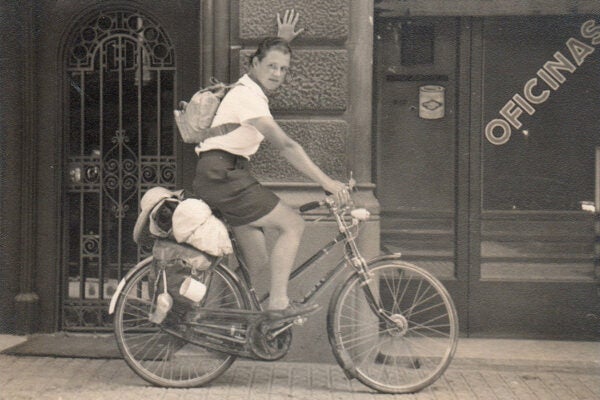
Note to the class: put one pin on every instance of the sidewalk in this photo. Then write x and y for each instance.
(484, 369)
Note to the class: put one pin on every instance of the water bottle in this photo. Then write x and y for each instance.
(164, 302)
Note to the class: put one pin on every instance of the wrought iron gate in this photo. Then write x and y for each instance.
(119, 141)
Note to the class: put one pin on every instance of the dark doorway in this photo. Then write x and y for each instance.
(123, 69)
(416, 84)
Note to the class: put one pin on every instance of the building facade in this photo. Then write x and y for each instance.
(471, 128)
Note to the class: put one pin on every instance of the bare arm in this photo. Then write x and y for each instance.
(294, 153)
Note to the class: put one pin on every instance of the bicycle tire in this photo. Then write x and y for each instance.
(159, 357)
(403, 357)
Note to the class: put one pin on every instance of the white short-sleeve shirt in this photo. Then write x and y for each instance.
(243, 102)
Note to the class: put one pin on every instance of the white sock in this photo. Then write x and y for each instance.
(278, 303)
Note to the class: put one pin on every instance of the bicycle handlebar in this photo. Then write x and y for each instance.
(316, 204)
(310, 206)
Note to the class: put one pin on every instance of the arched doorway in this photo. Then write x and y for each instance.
(119, 140)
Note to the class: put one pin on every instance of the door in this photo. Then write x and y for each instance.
(503, 214)
(537, 274)
(416, 81)
(124, 70)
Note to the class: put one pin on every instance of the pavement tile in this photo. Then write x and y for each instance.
(581, 392)
(477, 384)
(536, 384)
(592, 382)
(458, 385)
(560, 390)
(518, 385)
(497, 385)
(482, 379)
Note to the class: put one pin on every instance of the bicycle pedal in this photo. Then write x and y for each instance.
(300, 320)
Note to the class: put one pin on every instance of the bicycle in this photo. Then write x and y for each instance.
(391, 324)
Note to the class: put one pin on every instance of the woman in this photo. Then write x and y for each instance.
(224, 182)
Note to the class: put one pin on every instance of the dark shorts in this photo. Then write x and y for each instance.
(224, 182)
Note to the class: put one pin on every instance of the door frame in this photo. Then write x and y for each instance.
(466, 177)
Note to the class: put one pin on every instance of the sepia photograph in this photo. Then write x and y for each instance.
(300, 199)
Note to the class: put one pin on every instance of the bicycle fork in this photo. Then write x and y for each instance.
(360, 265)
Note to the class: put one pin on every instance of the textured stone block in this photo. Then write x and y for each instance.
(321, 20)
(317, 81)
(323, 141)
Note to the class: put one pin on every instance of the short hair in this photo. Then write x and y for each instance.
(270, 43)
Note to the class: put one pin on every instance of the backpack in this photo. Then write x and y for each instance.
(194, 118)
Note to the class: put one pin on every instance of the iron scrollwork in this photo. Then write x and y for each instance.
(121, 69)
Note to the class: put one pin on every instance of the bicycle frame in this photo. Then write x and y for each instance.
(352, 258)
(244, 273)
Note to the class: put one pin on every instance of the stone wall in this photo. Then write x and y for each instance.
(325, 106)
(316, 91)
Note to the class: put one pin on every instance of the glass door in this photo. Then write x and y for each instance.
(541, 95)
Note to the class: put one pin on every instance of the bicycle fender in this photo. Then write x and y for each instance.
(385, 257)
(115, 296)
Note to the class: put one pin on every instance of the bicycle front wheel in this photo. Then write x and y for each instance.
(411, 348)
(159, 353)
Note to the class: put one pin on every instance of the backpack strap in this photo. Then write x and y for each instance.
(218, 88)
(221, 129)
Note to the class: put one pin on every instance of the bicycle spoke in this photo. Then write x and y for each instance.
(367, 352)
(406, 286)
(422, 301)
(431, 328)
(142, 310)
(360, 339)
(430, 320)
(422, 310)
(148, 345)
(436, 331)
(392, 290)
(351, 307)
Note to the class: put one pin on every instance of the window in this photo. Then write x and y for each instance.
(416, 44)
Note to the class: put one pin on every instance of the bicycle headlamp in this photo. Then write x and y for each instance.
(361, 214)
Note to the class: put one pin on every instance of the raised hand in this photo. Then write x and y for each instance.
(287, 25)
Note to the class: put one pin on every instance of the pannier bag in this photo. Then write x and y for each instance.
(167, 251)
(181, 261)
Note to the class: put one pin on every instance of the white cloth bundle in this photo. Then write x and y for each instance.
(194, 224)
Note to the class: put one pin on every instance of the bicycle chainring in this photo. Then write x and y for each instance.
(268, 349)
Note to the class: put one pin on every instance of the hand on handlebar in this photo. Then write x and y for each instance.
(339, 191)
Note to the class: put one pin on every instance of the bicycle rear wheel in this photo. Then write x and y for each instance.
(406, 354)
(162, 358)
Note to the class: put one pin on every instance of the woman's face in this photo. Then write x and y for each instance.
(271, 70)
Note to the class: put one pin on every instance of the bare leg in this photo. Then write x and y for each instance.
(253, 245)
(289, 226)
